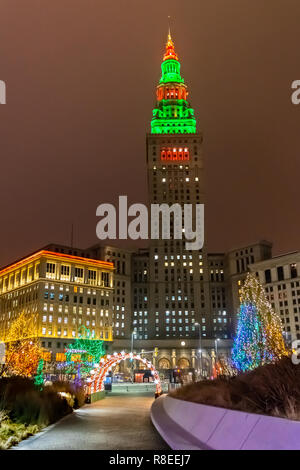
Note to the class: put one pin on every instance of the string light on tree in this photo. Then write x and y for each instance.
(82, 355)
(39, 378)
(259, 337)
(23, 350)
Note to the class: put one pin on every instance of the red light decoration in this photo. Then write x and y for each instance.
(170, 50)
(167, 92)
(107, 363)
(174, 154)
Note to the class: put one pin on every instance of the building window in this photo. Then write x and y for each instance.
(65, 272)
(50, 270)
(280, 274)
(105, 279)
(92, 275)
(268, 276)
(293, 268)
(78, 274)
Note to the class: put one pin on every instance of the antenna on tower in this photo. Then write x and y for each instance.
(169, 23)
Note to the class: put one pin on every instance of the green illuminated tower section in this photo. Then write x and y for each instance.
(172, 114)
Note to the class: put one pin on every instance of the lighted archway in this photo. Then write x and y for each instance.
(110, 361)
(183, 363)
(164, 363)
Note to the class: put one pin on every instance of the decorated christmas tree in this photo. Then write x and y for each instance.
(259, 337)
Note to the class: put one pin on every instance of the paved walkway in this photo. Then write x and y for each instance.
(115, 423)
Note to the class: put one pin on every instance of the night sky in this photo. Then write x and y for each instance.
(81, 78)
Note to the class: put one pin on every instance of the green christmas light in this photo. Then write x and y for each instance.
(90, 350)
(172, 114)
(39, 377)
(171, 72)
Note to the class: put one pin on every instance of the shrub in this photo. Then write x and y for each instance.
(77, 393)
(12, 433)
(25, 404)
(272, 389)
(24, 410)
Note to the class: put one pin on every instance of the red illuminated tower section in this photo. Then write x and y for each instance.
(178, 278)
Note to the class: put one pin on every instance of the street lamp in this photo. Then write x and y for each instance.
(132, 337)
(200, 347)
(216, 347)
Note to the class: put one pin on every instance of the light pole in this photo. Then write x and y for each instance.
(216, 347)
(200, 347)
(132, 337)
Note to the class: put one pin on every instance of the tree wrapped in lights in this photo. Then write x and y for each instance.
(83, 354)
(85, 348)
(39, 377)
(23, 351)
(259, 337)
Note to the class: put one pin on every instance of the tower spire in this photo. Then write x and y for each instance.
(172, 114)
(169, 29)
(170, 48)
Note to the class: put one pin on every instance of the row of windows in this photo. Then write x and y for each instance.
(292, 273)
(80, 310)
(65, 274)
(49, 332)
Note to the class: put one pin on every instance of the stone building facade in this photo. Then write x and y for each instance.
(61, 292)
(281, 278)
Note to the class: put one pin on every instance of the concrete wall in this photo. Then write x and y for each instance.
(187, 426)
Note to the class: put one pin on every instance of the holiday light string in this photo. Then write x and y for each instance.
(107, 363)
(259, 338)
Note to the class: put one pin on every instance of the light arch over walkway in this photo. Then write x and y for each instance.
(110, 361)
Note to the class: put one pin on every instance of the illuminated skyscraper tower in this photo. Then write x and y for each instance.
(172, 114)
(179, 296)
(175, 175)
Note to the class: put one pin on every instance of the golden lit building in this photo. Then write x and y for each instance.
(63, 292)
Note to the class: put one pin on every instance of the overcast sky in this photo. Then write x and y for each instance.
(81, 78)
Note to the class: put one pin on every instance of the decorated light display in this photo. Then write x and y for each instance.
(23, 351)
(39, 377)
(82, 354)
(85, 349)
(106, 364)
(172, 114)
(259, 337)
